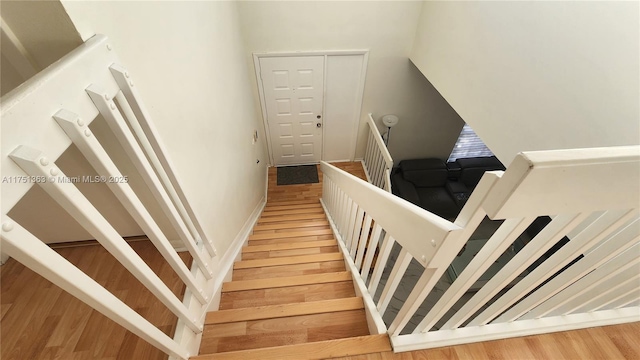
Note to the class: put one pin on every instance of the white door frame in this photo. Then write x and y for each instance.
(325, 53)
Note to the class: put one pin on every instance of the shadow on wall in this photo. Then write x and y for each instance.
(428, 126)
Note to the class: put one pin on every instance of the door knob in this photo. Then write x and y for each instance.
(319, 125)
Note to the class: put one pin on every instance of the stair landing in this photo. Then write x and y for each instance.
(291, 296)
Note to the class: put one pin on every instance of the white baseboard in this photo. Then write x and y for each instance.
(223, 268)
(466, 335)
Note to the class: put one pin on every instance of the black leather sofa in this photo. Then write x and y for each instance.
(438, 187)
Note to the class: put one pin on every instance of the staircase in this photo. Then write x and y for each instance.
(291, 296)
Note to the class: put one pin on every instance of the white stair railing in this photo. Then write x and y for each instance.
(377, 162)
(591, 196)
(40, 120)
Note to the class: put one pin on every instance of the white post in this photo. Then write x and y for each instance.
(90, 147)
(612, 247)
(141, 120)
(606, 224)
(397, 272)
(67, 195)
(34, 254)
(116, 122)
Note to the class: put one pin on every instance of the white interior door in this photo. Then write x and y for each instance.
(292, 89)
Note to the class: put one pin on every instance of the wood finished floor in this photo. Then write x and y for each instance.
(41, 321)
(291, 287)
(605, 342)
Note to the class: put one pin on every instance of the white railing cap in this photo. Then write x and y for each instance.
(567, 181)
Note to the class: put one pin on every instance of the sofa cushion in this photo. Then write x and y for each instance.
(438, 201)
(424, 172)
(472, 169)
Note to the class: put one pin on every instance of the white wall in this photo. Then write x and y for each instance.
(428, 127)
(536, 75)
(188, 61)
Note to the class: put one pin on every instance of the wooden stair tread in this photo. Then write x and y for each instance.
(292, 234)
(256, 284)
(286, 295)
(310, 351)
(271, 219)
(287, 260)
(314, 210)
(289, 270)
(292, 207)
(288, 246)
(271, 203)
(290, 225)
(273, 311)
(290, 252)
(290, 240)
(290, 330)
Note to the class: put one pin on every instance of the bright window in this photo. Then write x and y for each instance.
(469, 145)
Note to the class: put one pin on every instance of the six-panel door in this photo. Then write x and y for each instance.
(293, 90)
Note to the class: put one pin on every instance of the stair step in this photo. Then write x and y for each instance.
(292, 234)
(289, 270)
(272, 219)
(291, 207)
(290, 225)
(291, 252)
(315, 210)
(257, 284)
(271, 203)
(287, 260)
(310, 351)
(286, 295)
(290, 240)
(284, 310)
(288, 246)
(290, 330)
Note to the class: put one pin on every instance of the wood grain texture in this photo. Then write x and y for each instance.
(313, 210)
(280, 218)
(289, 270)
(605, 342)
(257, 284)
(288, 260)
(309, 351)
(41, 321)
(287, 330)
(314, 205)
(286, 295)
(290, 234)
(288, 240)
(288, 246)
(290, 252)
(290, 225)
(274, 311)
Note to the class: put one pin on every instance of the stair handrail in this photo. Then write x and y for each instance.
(41, 119)
(542, 289)
(377, 161)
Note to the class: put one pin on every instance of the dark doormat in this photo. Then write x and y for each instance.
(301, 174)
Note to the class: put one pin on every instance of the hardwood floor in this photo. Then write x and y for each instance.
(290, 289)
(606, 342)
(41, 321)
(306, 191)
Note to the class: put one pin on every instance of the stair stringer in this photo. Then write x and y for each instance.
(223, 268)
(374, 319)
